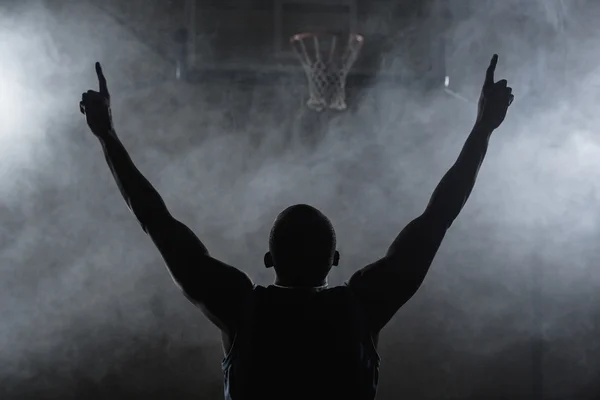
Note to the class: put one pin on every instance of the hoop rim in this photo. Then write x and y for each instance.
(308, 34)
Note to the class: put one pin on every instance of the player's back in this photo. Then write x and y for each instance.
(302, 344)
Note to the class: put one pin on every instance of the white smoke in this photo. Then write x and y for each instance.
(89, 310)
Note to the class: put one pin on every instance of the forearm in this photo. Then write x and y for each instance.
(455, 187)
(143, 200)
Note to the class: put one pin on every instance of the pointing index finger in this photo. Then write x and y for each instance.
(489, 76)
(101, 80)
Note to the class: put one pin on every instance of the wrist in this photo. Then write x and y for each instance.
(104, 134)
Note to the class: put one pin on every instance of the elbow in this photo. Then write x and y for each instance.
(148, 207)
(441, 215)
(152, 220)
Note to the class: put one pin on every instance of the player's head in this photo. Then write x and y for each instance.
(302, 247)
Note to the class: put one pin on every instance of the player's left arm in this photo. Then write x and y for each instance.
(384, 286)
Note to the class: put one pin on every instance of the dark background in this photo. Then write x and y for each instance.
(510, 309)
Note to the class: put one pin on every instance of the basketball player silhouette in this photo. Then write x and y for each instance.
(299, 338)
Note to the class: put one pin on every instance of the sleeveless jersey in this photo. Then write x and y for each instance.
(310, 344)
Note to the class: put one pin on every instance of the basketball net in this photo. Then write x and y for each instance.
(326, 66)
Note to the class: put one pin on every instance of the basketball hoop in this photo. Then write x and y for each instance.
(327, 59)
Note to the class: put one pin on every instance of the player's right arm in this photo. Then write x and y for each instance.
(387, 284)
(218, 289)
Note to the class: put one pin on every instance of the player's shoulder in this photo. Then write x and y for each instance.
(344, 291)
(340, 289)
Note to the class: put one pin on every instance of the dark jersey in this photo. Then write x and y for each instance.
(302, 344)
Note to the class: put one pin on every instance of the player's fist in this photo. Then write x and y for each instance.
(96, 106)
(495, 99)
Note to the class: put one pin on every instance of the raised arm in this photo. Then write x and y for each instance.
(218, 289)
(387, 284)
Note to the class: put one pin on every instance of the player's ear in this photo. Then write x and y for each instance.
(268, 260)
(336, 258)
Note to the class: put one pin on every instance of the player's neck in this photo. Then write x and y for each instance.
(285, 285)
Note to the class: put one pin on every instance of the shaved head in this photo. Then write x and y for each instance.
(302, 244)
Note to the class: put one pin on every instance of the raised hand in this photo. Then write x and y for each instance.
(96, 106)
(495, 99)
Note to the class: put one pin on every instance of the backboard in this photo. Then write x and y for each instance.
(250, 39)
